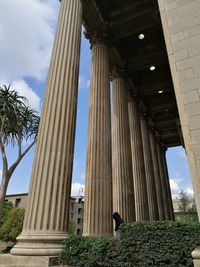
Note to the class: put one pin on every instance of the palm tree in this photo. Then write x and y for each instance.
(17, 123)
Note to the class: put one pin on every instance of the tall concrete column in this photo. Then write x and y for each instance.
(139, 178)
(98, 190)
(46, 219)
(150, 178)
(157, 176)
(123, 191)
(171, 209)
(163, 182)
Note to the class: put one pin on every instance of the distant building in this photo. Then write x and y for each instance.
(75, 213)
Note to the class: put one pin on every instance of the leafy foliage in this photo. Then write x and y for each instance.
(71, 227)
(12, 226)
(8, 206)
(141, 244)
(17, 120)
(187, 208)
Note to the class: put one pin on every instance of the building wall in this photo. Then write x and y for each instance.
(18, 200)
(181, 26)
(75, 214)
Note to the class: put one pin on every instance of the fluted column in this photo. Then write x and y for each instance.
(123, 191)
(98, 190)
(46, 218)
(139, 178)
(150, 178)
(163, 182)
(158, 184)
(171, 209)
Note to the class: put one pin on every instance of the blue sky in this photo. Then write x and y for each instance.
(26, 35)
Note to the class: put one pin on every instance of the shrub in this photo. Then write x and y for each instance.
(141, 244)
(8, 206)
(12, 227)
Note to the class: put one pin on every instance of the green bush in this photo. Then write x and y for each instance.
(141, 244)
(12, 226)
(8, 206)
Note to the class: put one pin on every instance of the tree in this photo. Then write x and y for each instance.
(18, 123)
(187, 208)
(184, 202)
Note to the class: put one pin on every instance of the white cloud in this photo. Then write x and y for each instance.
(174, 185)
(84, 83)
(189, 191)
(77, 189)
(177, 186)
(24, 89)
(26, 35)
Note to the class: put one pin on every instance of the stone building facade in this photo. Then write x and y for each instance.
(76, 210)
(150, 51)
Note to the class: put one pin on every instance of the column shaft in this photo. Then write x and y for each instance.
(163, 182)
(139, 178)
(168, 186)
(123, 191)
(46, 219)
(98, 191)
(157, 177)
(150, 179)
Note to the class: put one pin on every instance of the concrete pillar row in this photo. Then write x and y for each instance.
(98, 190)
(123, 190)
(139, 177)
(46, 218)
(171, 209)
(150, 177)
(158, 184)
(163, 182)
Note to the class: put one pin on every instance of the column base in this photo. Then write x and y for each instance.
(196, 257)
(38, 244)
(8, 260)
(96, 235)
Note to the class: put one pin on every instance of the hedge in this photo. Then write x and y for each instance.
(140, 244)
(12, 226)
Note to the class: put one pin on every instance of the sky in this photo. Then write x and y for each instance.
(27, 31)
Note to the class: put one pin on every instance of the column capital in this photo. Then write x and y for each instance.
(118, 71)
(98, 36)
(133, 96)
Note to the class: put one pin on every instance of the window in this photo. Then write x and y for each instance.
(78, 231)
(72, 206)
(17, 202)
(79, 221)
(79, 211)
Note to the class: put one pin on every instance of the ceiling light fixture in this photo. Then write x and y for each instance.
(141, 36)
(160, 92)
(152, 68)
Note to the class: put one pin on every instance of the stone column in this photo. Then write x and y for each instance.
(46, 219)
(163, 182)
(157, 176)
(150, 179)
(98, 191)
(123, 191)
(171, 209)
(139, 178)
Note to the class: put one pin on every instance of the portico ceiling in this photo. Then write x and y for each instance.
(122, 21)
